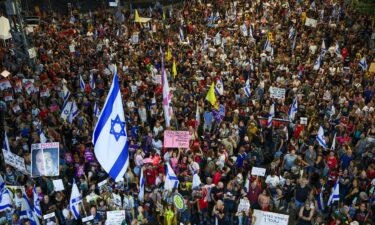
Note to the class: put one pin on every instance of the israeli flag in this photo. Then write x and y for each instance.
(171, 180)
(335, 194)
(66, 93)
(28, 212)
(42, 136)
(267, 46)
(324, 49)
(292, 31)
(247, 88)
(92, 81)
(293, 110)
(141, 194)
(317, 63)
(271, 115)
(75, 200)
(5, 197)
(320, 138)
(37, 209)
(96, 110)
(332, 111)
(182, 37)
(204, 46)
(65, 112)
(109, 137)
(73, 112)
(363, 64)
(294, 42)
(320, 201)
(81, 83)
(337, 50)
(219, 87)
(153, 102)
(196, 180)
(6, 142)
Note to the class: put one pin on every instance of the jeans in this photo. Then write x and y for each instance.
(298, 204)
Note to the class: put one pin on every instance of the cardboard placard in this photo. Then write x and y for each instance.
(257, 171)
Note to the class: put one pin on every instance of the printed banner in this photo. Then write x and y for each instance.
(45, 159)
(257, 171)
(176, 139)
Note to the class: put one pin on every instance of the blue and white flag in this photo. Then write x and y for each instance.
(320, 138)
(250, 31)
(317, 63)
(293, 110)
(37, 209)
(6, 142)
(42, 136)
(292, 32)
(267, 46)
(320, 201)
(66, 93)
(247, 88)
(271, 115)
(244, 30)
(337, 50)
(171, 180)
(204, 46)
(92, 81)
(182, 37)
(363, 64)
(75, 200)
(141, 194)
(73, 112)
(5, 197)
(96, 110)
(109, 137)
(28, 212)
(196, 180)
(65, 112)
(294, 42)
(335, 194)
(219, 87)
(324, 49)
(153, 102)
(81, 83)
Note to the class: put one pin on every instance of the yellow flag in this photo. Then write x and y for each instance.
(164, 17)
(174, 69)
(169, 55)
(211, 95)
(137, 19)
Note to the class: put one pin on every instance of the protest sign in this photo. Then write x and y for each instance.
(135, 38)
(257, 171)
(14, 160)
(303, 120)
(176, 139)
(117, 199)
(115, 217)
(158, 79)
(58, 185)
(88, 220)
(269, 218)
(311, 22)
(244, 205)
(178, 202)
(45, 159)
(276, 92)
(50, 219)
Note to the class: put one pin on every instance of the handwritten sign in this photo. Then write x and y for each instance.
(257, 171)
(115, 217)
(14, 160)
(135, 38)
(278, 93)
(269, 218)
(244, 205)
(176, 139)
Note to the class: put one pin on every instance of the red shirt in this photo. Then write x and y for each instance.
(216, 178)
(150, 175)
(332, 162)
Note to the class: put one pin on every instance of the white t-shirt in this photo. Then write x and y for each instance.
(272, 181)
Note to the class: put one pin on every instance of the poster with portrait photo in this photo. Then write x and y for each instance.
(45, 159)
(50, 219)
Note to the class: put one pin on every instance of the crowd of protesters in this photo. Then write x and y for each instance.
(225, 145)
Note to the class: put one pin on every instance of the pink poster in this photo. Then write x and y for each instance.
(176, 139)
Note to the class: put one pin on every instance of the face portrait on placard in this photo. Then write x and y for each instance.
(45, 162)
